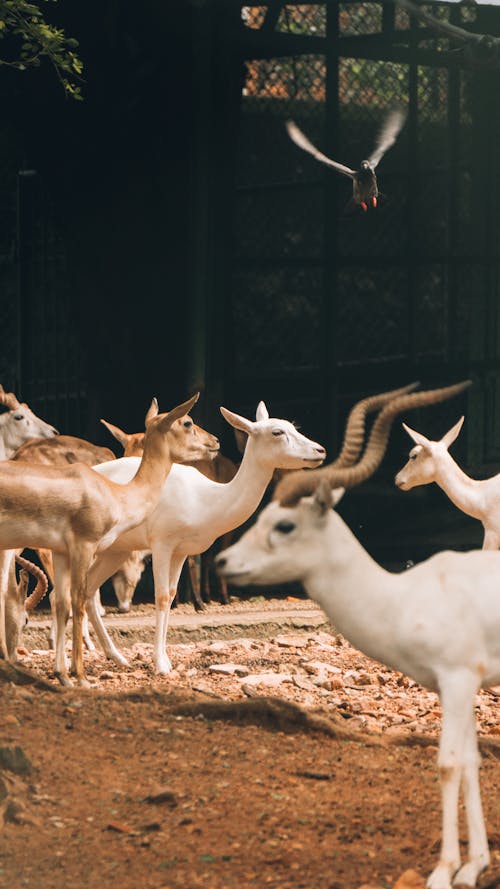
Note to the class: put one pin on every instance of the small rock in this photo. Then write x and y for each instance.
(11, 719)
(164, 796)
(107, 674)
(271, 680)
(320, 667)
(323, 682)
(291, 641)
(14, 759)
(217, 646)
(316, 776)
(250, 691)
(304, 684)
(119, 827)
(357, 722)
(363, 679)
(229, 669)
(410, 879)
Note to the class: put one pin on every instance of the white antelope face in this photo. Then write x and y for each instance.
(425, 458)
(21, 425)
(284, 545)
(280, 444)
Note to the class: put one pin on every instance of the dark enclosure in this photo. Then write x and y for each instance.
(165, 235)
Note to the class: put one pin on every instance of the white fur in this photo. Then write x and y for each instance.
(439, 622)
(430, 462)
(19, 426)
(194, 511)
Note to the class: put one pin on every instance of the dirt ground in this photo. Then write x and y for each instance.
(274, 756)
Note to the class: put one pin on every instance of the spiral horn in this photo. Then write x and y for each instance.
(354, 434)
(302, 483)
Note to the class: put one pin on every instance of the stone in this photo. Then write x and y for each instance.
(14, 759)
(229, 669)
(270, 680)
(291, 641)
(164, 796)
(410, 879)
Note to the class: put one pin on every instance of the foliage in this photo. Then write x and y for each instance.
(28, 38)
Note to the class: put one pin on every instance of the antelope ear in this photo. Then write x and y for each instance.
(236, 421)
(116, 432)
(182, 409)
(337, 495)
(417, 437)
(450, 436)
(152, 411)
(323, 498)
(262, 412)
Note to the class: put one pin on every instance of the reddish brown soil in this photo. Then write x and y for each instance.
(261, 798)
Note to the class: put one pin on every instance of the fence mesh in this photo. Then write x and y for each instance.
(386, 273)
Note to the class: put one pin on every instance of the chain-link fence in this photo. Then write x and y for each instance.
(390, 287)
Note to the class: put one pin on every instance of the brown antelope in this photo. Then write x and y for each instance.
(77, 514)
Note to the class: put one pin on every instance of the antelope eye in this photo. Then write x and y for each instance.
(284, 527)
(413, 456)
(188, 424)
(278, 432)
(18, 417)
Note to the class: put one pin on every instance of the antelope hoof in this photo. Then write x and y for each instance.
(440, 877)
(64, 679)
(118, 659)
(82, 682)
(469, 872)
(163, 667)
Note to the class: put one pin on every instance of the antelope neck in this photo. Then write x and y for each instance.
(462, 490)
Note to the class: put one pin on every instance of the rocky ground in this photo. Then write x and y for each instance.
(274, 754)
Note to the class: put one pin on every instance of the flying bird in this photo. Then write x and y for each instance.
(364, 181)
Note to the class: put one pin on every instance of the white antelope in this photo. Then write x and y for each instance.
(438, 622)
(193, 510)
(77, 513)
(429, 461)
(18, 424)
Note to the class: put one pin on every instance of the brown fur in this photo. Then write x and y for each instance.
(76, 512)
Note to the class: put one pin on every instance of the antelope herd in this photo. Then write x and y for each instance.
(91, 517)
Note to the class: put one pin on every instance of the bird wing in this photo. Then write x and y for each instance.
(444, 28)
(302, 141)
(388, 135)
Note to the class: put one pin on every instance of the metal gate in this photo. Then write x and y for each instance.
(325, 306)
